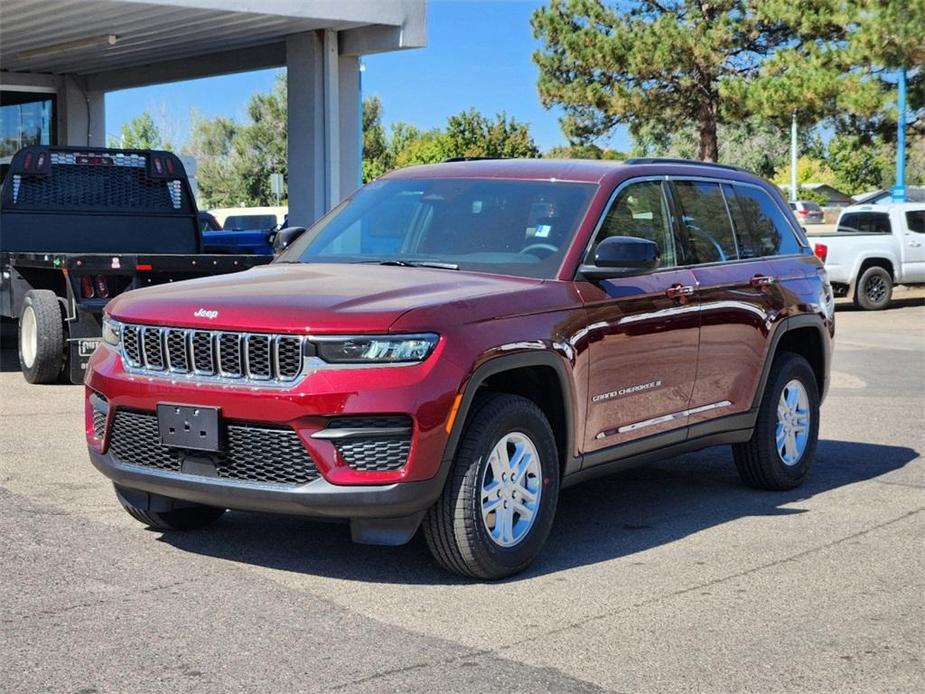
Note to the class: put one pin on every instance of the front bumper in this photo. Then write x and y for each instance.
(422, 393)
(319, 498)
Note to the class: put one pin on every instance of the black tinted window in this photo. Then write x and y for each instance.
(761, 227)
(640, 210)
(915, 220)
(704, 212)
(865, 222)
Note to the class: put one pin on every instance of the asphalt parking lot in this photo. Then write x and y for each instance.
(668, 578)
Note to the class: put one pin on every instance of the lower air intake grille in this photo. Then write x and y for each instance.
(373, 452)
(99, 424)
(253, 453)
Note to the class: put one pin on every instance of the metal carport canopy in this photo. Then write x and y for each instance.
(81, 49)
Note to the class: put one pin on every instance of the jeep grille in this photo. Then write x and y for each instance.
(213, 355)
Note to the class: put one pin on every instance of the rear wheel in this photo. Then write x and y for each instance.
(782, 447)
(874, 290)
(498, 505)
(184, 516)
(41, 337)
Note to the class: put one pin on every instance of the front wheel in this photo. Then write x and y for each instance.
(874, 290)
(498, 505)
(781, 450)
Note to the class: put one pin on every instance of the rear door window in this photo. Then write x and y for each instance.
(865, 222)
(915, 220)
(761, 227)
(709, 229)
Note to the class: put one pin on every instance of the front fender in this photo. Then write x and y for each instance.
(498, 361)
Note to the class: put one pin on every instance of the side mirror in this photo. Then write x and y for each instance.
(621, 256)
(284, 238)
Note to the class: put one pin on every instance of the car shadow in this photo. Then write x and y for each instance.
(849, 306)
(610, 518)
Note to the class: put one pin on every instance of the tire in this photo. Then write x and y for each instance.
(458, 536)
(185, 517)
(760, 462)
(874, 289)
(41, 337)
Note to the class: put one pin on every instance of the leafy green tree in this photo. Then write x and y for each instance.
(139, 133)
(470, 134)
(375, 144)
(579, 151)
(860, 162)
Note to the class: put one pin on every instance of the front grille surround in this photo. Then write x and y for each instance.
(214, 355)
(254, 453)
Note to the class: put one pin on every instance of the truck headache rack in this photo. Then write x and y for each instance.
(82, 225)
(96, 181)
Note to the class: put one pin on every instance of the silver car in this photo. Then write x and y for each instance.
(807, 211)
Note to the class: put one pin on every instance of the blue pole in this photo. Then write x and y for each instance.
(899, 190)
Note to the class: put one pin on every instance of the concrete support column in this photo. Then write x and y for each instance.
(305, 126)
(331, 119)
(81, 114)
(351, 115)
(97, 109)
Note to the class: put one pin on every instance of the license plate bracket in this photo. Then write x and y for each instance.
(190, 426)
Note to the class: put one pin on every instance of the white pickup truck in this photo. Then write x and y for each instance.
(875, 247)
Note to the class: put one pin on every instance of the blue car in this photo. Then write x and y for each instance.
(244, 233)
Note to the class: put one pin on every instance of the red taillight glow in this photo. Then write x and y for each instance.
(821, 251)
(86, 287)
(802, 211)
(102, 289)
(143, 267)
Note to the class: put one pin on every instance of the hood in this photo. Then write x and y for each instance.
(309, 298)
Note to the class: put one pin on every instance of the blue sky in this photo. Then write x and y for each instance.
(478, 55)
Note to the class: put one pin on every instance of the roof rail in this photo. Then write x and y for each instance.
(677, 160)
(452, 159)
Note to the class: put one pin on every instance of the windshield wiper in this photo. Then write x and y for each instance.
(420, 263)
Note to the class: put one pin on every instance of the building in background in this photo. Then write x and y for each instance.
(58, 58)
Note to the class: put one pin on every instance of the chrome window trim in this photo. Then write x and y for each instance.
(576, 277)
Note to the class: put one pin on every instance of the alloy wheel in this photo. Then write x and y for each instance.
(511, 489)
(792, 432)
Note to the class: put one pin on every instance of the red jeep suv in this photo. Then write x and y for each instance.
(455, 343)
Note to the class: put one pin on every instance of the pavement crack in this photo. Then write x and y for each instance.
(53, 612)
(708, 584)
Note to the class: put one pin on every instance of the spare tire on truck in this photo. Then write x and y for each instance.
(41, 337)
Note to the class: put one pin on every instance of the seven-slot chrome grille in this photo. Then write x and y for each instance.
(213, 354)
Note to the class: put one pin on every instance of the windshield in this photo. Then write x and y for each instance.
(508, 227)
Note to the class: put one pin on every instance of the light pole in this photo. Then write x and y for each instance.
(899, 190)
(793, 158)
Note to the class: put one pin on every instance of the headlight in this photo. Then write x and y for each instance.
(112, 332)
(386, 349)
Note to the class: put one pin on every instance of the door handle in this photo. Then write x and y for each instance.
(762, 281)
(676, 291)
(915, 243)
